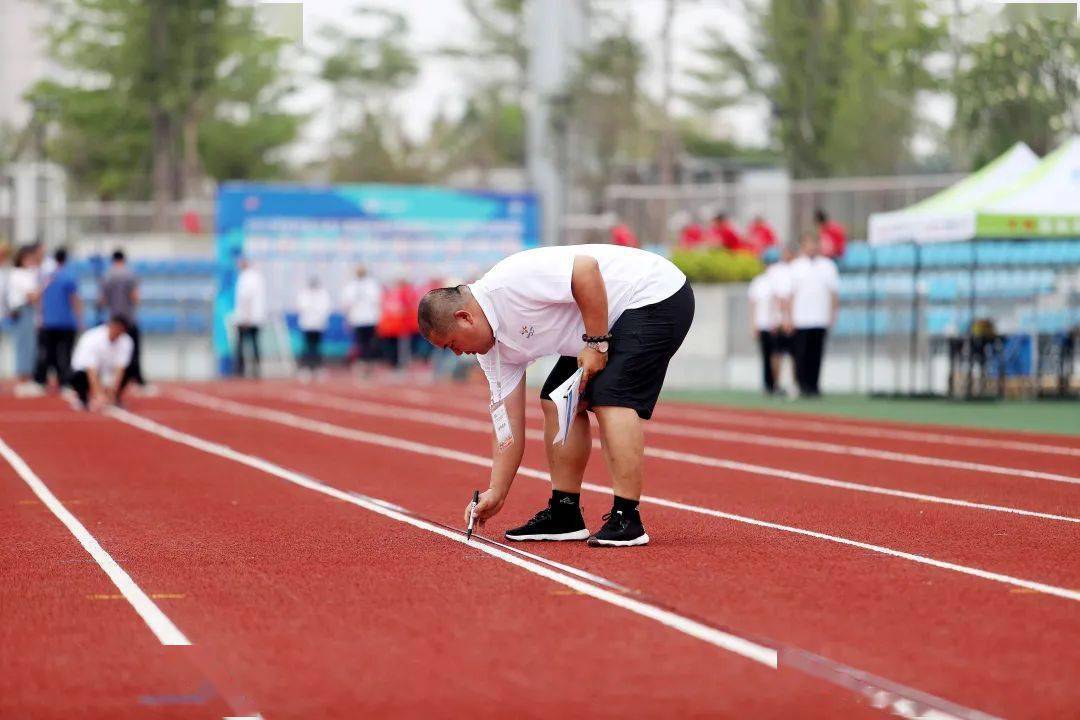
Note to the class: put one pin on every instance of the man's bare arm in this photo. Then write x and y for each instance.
(590, 294)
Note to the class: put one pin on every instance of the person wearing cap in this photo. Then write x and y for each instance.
(102, 355)
(617, 313)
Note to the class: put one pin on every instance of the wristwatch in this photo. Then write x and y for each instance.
(600, 343)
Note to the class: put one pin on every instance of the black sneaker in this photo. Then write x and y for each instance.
(621, 529)
(560, 524)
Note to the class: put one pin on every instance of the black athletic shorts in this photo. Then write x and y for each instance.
(643, 341)
(781, 342)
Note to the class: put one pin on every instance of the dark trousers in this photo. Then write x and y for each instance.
(249, 336)
(133, 372)
(768, 347)
(80, 383)
(55, 346)
(311, 357)
(364, 337)
(808, 348)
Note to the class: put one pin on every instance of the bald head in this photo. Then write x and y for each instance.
(452, 318)
(437, 308)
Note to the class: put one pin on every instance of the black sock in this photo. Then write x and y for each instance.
(624, 505)
(565, 500)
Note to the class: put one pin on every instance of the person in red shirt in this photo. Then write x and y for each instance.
(723, 234)
(760, 236)
(623, 236)
(831, 235)
(691, 236)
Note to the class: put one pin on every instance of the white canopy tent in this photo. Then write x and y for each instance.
(951, 214)
(1043, 203)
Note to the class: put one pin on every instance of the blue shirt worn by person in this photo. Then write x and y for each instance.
(56, 310)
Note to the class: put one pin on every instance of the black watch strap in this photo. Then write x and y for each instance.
(596, 338)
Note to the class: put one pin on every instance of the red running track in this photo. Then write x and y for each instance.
(298, 602)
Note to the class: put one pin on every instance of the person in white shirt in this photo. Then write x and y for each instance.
(23, 293)
(362, 301)
(250, 314)
(815, 284)
(101, 355)
(617, 313)
(765, 324)
(313, 306)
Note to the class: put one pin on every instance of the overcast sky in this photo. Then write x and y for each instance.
(436, 23)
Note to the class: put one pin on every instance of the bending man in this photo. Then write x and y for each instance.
(619, 314)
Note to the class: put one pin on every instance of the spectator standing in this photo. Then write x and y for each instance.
(764, 322)
(120, 299)
(691, 236)
(250, 314)
(5, 272)
(100, 362)
(23, 293)
(61, 315)
(313, 306)
(779, 276)
(361, 300)
(815, 284)
(623, 236)
(392, 327)
(760, 236)
(831, 235)
(722, 233)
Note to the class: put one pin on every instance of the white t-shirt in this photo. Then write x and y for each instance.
(314, 307)
(93, 351)
(21, 282)
(528, 301)
(362, 299)
(766, 317)
(813, 282)
(250, 298)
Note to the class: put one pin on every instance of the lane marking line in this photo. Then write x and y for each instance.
(461, 423)
(691, 411)
(885, 694)
(337, 431)
(163, 628)
(937, 438)
(753, 651)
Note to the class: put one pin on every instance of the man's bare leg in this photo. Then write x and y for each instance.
(623, 440)
(567, 461)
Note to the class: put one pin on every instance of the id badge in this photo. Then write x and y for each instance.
(504, 434)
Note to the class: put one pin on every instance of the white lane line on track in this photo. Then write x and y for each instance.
(718, 435)
(882, 694)
(937, 438)
(337, 431)
(460, 423)
(753, 651)
(418, 397)
(159, 624)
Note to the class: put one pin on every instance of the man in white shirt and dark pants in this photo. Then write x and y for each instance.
(313, 306)
(815, 284)
(250, 314)
(101, 356)
(619, 314)
(362, 302)
(765, 321)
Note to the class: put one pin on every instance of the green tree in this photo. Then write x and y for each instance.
(490, 132)
(841, 77)
(1021, 83)
(156, 85)
(367, 71)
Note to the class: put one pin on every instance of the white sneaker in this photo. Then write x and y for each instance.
(29, 390)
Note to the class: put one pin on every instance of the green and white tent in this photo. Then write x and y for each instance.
(1044, 203)
(952, 214)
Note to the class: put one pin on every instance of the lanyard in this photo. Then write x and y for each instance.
(498, 375)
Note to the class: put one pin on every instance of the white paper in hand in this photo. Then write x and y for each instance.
(566, 399)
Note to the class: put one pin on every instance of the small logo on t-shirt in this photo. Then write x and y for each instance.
(527, 331)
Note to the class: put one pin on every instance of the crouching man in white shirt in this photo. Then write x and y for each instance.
(98, 362)
(619, 314)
